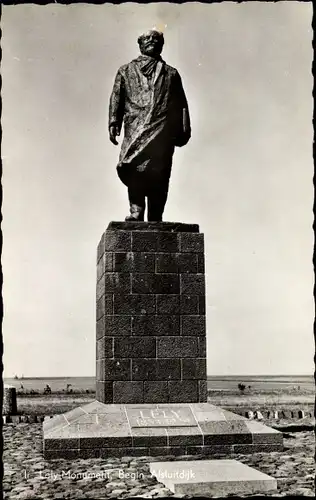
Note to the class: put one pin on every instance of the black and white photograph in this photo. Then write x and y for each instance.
(157, 254)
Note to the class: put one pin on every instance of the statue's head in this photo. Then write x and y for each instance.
(151, 43)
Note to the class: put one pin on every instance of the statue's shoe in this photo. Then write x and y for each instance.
(130, 218)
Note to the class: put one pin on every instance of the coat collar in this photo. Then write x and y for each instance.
(150, 65)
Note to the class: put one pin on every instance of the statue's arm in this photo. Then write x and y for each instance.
(183, 104)
(116, 107)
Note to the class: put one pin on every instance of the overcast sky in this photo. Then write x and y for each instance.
(245, 177)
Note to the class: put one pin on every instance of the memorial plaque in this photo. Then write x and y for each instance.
(161, 417)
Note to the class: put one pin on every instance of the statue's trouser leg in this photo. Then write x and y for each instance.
(157, 197)
(137, 202)
(157, 190)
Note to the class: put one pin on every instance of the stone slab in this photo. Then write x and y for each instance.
(162, 429)
(153, 226)
(215, 477)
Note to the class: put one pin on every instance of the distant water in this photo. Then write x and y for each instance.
(304, 383)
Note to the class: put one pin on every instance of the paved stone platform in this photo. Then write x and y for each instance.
(217, 477)
(98, 430)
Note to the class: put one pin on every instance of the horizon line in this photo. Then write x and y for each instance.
(217, 376)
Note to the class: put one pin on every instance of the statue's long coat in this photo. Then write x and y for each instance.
(152, 112)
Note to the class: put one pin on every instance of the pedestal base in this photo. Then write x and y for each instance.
(99, 430)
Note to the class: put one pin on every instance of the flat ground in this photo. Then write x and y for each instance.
(251, 400)
(268, 392)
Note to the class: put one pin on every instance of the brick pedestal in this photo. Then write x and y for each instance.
(151, 333)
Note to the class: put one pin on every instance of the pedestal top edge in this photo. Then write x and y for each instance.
(176, 227)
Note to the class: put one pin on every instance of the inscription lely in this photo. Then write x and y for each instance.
(163, 417)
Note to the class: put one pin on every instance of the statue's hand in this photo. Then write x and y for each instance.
(183, 138)
(114, 132)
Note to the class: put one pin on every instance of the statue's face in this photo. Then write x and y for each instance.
(151, 43)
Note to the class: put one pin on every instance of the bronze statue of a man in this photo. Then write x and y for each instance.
(149, 98)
